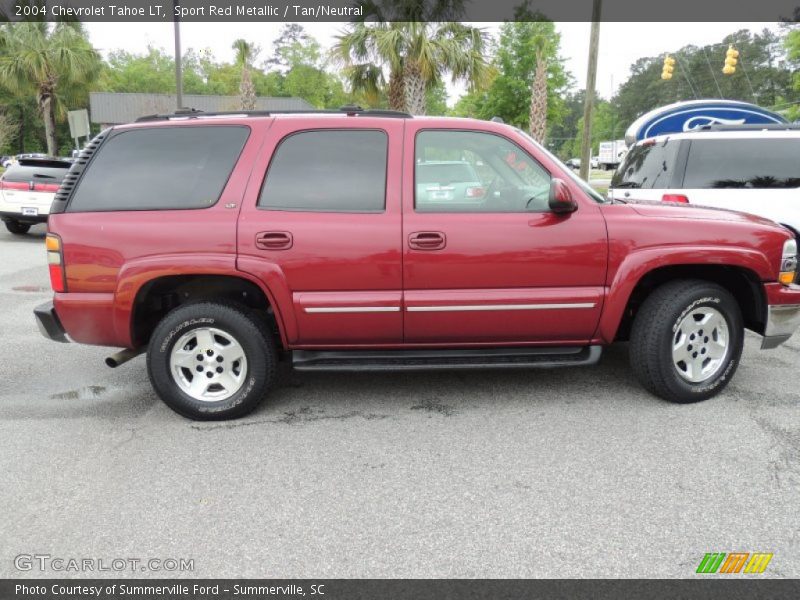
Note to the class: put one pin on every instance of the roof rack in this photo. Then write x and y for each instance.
(349, 110)
(750, 127)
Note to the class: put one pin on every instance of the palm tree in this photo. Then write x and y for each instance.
(417, 55)
(542, 43)
(245, 55)
(54, 63)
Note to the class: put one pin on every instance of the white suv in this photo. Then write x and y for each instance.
(748, 168)
(27, 189)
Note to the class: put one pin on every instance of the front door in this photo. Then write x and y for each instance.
(321, 228)
(485, 262)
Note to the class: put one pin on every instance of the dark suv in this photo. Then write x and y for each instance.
(220, 244)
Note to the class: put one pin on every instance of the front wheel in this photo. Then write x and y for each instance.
(211, 361)
(17, 228)
(686, 341)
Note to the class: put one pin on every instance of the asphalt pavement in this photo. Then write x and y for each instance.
(560, 473)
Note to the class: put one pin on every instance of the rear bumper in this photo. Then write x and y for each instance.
(48, 322)
(6, 215)
(783, 314)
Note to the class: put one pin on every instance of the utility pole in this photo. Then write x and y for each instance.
(178, 59)
(591, 81)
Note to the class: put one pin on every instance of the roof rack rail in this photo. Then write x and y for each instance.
(749, 127)
(350, 110)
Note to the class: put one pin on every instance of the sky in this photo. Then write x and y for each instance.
(620, 43)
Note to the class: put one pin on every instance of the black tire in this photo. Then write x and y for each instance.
(234, 320)
(655, 329)
(17, 228)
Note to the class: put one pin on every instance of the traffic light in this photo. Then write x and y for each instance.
(731, 58)
(669, 67)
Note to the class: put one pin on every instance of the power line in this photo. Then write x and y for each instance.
(708, 62)
(685, 72)
(752, 91)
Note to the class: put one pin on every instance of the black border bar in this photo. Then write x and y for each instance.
(729, 588)
(632, 11)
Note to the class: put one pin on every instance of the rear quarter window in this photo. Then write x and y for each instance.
(160, 168)
(743, 163)
(648, 166)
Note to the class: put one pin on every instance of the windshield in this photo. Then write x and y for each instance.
(583, 185)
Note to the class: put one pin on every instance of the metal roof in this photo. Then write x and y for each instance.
(113, 108)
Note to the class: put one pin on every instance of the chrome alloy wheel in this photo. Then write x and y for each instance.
(701, 344)
(208, 364)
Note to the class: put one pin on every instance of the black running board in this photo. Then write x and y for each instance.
(404, 360)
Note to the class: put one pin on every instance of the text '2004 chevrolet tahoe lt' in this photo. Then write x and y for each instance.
(364, 240)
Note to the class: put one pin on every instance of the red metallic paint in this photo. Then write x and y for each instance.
(350, 256)
(643, 238)
(502, 258)
(778, 294)
(595, 255)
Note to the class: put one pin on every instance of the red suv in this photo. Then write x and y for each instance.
(222, 243)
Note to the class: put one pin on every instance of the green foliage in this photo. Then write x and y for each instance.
(509, 94)
(418, 56)
(763, 76)
(436, 99)
(563, 133)
(151, 72)
(294, 47)
(154, 72)
(53, 65)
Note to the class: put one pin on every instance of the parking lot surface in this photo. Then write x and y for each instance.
(561, 473)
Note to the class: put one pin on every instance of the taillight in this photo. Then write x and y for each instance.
(14, 185)
(475, 192)
(55, 262)
(45, 187)
(675, 198)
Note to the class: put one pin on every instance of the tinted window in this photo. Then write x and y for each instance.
(160, 168)
(444, 173)
(471, 171)
(743, 163)
(48, 173)
(328, 171)
(648, 166)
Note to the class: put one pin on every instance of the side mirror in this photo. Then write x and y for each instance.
(561, 201)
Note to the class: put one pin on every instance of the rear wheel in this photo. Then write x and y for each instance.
(17, 228)
(211, 361)
(686, 340)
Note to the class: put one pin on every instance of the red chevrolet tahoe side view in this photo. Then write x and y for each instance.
(363, 240)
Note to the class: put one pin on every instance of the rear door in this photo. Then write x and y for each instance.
(320, 226)
(495, 266)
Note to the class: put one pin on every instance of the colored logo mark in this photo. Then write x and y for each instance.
(734, 562)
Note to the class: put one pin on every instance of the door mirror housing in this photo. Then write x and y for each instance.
(561, 201)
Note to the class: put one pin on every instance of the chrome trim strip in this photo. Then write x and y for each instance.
(351, 309)
(471, 307)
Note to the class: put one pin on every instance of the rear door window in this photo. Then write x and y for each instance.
(743, 163)
(648, 166)
(160, 168)
(328, 171)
